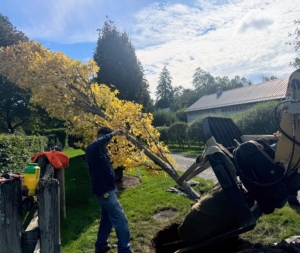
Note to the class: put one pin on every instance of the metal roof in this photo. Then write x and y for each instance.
(271, 90)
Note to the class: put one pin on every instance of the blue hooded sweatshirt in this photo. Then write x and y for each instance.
(100, 168)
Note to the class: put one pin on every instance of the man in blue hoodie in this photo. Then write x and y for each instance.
(104, 187)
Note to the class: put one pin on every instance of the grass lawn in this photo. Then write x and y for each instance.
(275, 227)
(79, 229)
(192, 150)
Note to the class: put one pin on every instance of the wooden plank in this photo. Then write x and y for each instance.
(11, 216)
(49, 215)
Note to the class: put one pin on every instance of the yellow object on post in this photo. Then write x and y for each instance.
(31, 178)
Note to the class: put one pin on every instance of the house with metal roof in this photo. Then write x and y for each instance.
(239, 99)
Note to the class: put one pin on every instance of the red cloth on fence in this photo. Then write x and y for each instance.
(58, 159)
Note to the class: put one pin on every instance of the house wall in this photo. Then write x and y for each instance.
(225, 111)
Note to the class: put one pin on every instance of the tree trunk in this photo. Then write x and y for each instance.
(181, 144)
(188, 143)
(10, 127)
(165, 167)
(10, 216)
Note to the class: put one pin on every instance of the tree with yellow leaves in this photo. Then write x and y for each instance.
(65, 89)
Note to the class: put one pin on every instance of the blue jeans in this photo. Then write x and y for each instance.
(113, 215)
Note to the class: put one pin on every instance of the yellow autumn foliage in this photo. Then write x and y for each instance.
(65, 88)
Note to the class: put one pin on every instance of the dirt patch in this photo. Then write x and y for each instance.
(128, 181)
(165, 214)
(283, 247)
(168, 241)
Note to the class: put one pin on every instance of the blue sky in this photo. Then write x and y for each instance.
(224, 37)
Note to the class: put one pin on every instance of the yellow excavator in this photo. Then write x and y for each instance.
(247, 167)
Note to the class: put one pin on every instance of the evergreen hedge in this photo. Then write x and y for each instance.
(181, 115)
(257, 120)
(195, 129)
(162, 118)
(16, 151)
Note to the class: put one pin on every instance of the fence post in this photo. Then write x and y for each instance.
(49, 215)
(11, 216)
(60, 175)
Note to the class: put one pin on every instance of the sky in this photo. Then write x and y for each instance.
(223, 37)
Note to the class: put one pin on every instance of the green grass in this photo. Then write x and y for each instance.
(79, 229)
(192, 150)
(275, 227)
(73, 152)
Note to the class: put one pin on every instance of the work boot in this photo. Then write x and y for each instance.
(108, 247)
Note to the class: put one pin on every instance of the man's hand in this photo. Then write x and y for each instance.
(118, 131)
(276, 135)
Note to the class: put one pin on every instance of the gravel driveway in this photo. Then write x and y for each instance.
(184, 162)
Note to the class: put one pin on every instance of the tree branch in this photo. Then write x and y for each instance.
(91, 109)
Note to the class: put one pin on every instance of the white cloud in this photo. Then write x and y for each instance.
(233, 38)
(223, 37)
(255, 19)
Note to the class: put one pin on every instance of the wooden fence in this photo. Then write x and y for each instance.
(10, 216)
(43, 233)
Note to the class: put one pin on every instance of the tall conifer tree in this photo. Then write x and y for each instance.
(164, 89)
(119, 67)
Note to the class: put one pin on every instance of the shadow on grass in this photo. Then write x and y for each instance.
(82, 206)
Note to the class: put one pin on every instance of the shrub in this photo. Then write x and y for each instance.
(195, 129)
(16, 151)
(177, 131)
(162, 118)
(256, 120)
(181, 115)
(163, 130)
(60, 133)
